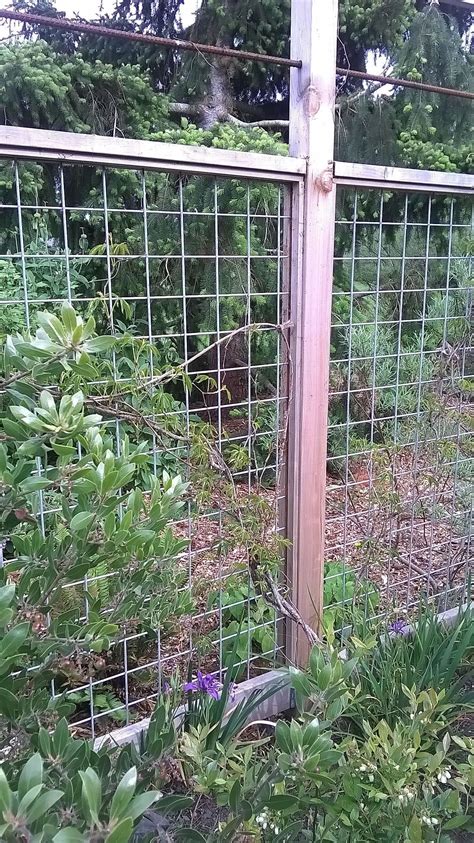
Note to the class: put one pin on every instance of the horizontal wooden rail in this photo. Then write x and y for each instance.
(68, 147)
(401, 178)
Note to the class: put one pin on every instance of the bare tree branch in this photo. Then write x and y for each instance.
(259, 124)
(186, 109)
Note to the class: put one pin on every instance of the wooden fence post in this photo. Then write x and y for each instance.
(312, 107)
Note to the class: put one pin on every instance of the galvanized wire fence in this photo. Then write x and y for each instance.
(201, 269)
(399, 497)
(192, 266)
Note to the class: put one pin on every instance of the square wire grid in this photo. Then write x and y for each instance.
(182, 262)
(399, 493)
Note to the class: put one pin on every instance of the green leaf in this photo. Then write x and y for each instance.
(61, 736)
(5, 617)
(189, 835)
(8, 703)
(69, 835)
(31, 775)
(174, 803)
(47, 403)
(52, 326)
(69, 317)
(282, 735)
(34, 484)
(234, 796)
(316, 660)
(246, 810)
(44, 741)
(7, 593)
(142, 802)
(11, 643)
(43, 804)
(456, 822)
(91, 793)
(82, 521)
(123, 794)
(289, 833)
(14, 430)
(3, 458)
(281, 802)
(63, 450)
(415, 831)
(99, 344)
(324, 677)
(122, 832)
(5, 792)
(28, 798)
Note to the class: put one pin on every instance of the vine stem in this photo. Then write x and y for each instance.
(243, 329)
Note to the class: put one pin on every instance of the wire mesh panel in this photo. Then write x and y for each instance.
(399, 494)
(185, 271)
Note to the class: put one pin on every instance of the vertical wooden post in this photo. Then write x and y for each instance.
(312, 107)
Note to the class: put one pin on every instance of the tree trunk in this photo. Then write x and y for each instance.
(218, 103)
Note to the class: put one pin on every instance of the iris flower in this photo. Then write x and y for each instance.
(205, 683)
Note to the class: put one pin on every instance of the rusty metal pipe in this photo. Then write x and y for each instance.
(174, 43)
(404, 83)
(242, 55)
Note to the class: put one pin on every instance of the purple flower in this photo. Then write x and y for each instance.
(397, 626)
(205, 683)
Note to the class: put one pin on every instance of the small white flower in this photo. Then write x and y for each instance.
(434, 821)
(447, 774)
(371, 778)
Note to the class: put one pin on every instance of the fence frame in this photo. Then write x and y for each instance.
(312, 111)
(402, 178)
(312, 177)
(100, 150)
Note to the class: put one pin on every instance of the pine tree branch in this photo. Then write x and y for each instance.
(259, 124)
(186, 109)
(197, 111)
(357, 95)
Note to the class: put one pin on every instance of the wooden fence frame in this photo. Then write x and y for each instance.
(312, 119)
(100, 150)
(312, 177)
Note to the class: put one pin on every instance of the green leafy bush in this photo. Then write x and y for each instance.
(432, 656)
(248, 622)
(400, 783)
(79, 532)
(344, 595)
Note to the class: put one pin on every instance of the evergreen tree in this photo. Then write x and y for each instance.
(421, 40)
(413, 128)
